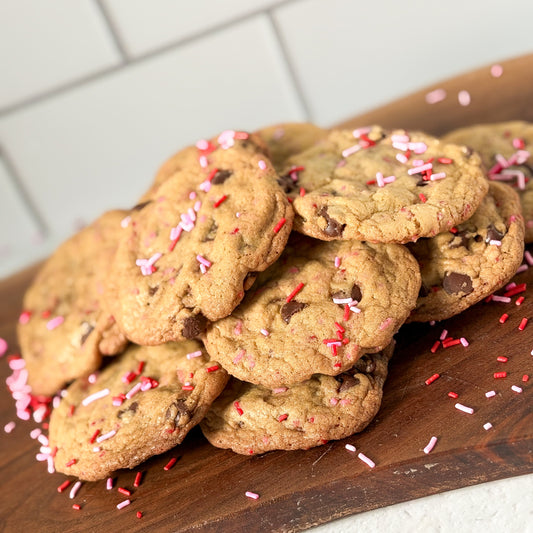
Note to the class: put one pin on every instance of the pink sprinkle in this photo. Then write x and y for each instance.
(490, 394)
(95, 396)
(265, 332)
(34, 433)
(496, 71)
(400, 138)
(279, 390)
(351, 150)
(464, 98)
(192, 355)
(350, 447)
(389, 179)
(9, 427)
(366, 460)
(106, 436)
(3, 346)
(402, 158)
(361, 131)
(464, 342)
(528, 257)
(421, 168)
(239, 356)
(124, 223)
(202, 144)
(435, 96)
(262, 165)
(337, 262)
(17, 364)
(444, 334)
(438, 176)
(54, 323)
(74, 490)
(133, 391)
(516, 389)
(197, 206)
(487, 426)
(24, 317)
(417, 147)
(463, 408)
(123, 504)
(203, 161)
(379, 179)
(109, 483)
(430, 445)
(251, 495)
(203, 261)
(501, 299)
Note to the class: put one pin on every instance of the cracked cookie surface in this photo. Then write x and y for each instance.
(316, 310)
(461, 267)
(379, 186)
(65, 326)
(252, 419)
(506, 150)
(188, 255)
(117, 429)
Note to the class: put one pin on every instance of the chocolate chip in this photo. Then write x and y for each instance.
(221, 176)
(334, 228)
(422, 183)
(87, 330)
(287, 184)
(461, 238)
(153, 290)
(290, 309)
(356, 293)
(177, 411)
(365, 364)
(424, 291)
(346, 382)
(454, 283)
(140, 206)
(493, 234)
(131, 409)
(193, 326)
(211, 233)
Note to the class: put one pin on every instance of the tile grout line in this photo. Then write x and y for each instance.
(113, 30)
(127, 61)
(290, 66)
(22, 192)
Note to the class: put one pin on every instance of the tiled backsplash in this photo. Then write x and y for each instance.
(95, 94)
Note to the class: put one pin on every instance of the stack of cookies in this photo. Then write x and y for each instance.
(257, 287)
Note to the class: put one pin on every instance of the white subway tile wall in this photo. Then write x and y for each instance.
(95, 94)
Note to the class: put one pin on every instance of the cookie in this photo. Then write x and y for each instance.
(287, 139)
(317, 310)
(506, 149)
(252, 419)
(142, 404)
(188, 256)
(65, 327)
(462, 266)
(380, 186)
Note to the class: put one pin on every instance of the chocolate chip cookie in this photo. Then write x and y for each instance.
(317, 310)
(142, 404)
(505, 148)
(252, 419)
(65, 327)
(379, 186)
(462, 266)
(188, 255)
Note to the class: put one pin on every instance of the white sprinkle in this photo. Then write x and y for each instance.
(444, 334)
(337, 262)
(495, 242)
(464, 342)
(351, 150)
(463, 408)
(402, 158)
(417, 147)
(400, 138)
(43, 439)
(92, 378)
(106, 436)
(133, 391)
(192, 355)
(435, 96)
(262, 165)
(420, 168)
(487, 426)
(464, 98)
(490, 394)
(39, 414)
(496, 71)
(361, 131)
(74, 490)
(517, 389)
(34, 433)
(251, 495)
(430, 445)
(97, 449)
(366, 460)
(203, 161)
(9, 427)
(265, 332)
(124, 223)
(437, 176)
(95, 396)
(109, 483)
(123, 504)
(342, 300)
(279, 390)
(379, 179)
(501, 299)
(355, 309)
(350, 447)
(389, 179)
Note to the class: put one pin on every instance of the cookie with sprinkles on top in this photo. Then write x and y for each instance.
(289, 138)
(252, 419)
(319, 308)
(65, 327)
(379, 186)
(189, 254)
(506, 149)
(462, 266)
(142, 404)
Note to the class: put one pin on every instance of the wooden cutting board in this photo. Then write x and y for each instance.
(206, 488)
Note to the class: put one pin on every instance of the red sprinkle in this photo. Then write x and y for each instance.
(140, 368)
(213, 368)
(63, 486)
(71, 462)
(502, 359)
(346, 315)
(445, 160)
(298, 288)
(452, 394)
(446, 343)
(435, 347)
(430, 380)
(212, 174)
(519, 300)
(498, 375)
(339, 327)
(238, 408)
(504, 318)
(523, 324)
(95, 434)
(283, 417)
(187, 387)
(124, 491)
(516, 290)
(220, 200)
(138, 479)
(76, 506)
(139, 514)
(422, 197)
(525, 378)
(170, 464)
(71, 410)
(279, 225)
(302, 191)
(234, 231)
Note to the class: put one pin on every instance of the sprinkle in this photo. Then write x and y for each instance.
(350, 447)
(351, 150)
(220, 200)
(298, 288)
(124, 491)
(463, 408)
(63, 486)
(251, 495)
(444, 334)
(24, 317)
(435, 347)
(487, 426)
(445, 160)
(430, 445)
(170, 464)
(139, 514)
(202, 260)
(435, 96)
(71, 462)
(55, 322)
(124, 223)
(213, 368)
(138, 479)
(422, 197)
(431, 379)
(238, 408)
(502, 359)
(123, 504)
(76, 506)
(279, 390)
(94, 436)
(109, 483)
(74, 490)
(438, 176)
(279, 225)
(517, 289)
(496, 71)
(495, 242)
(447, 343)
(283, 417)
(133, 391)
(192, 355)
(419, 169)
(464, 98)
(490, 394)
(265, 332)
(366, 460)
(500, 375)
(106, 436)
(464, 342)
(503, 318)
(262, 165)
(525, 378)
(454, 395)
(523, 324)
(3, 346)
(519, 300)
(95, 396)
(9, 427)
(517, 389)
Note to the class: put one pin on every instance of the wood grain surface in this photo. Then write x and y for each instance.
(205, 490)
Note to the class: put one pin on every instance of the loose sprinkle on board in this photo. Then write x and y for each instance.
(251, 495)
(430, 445)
